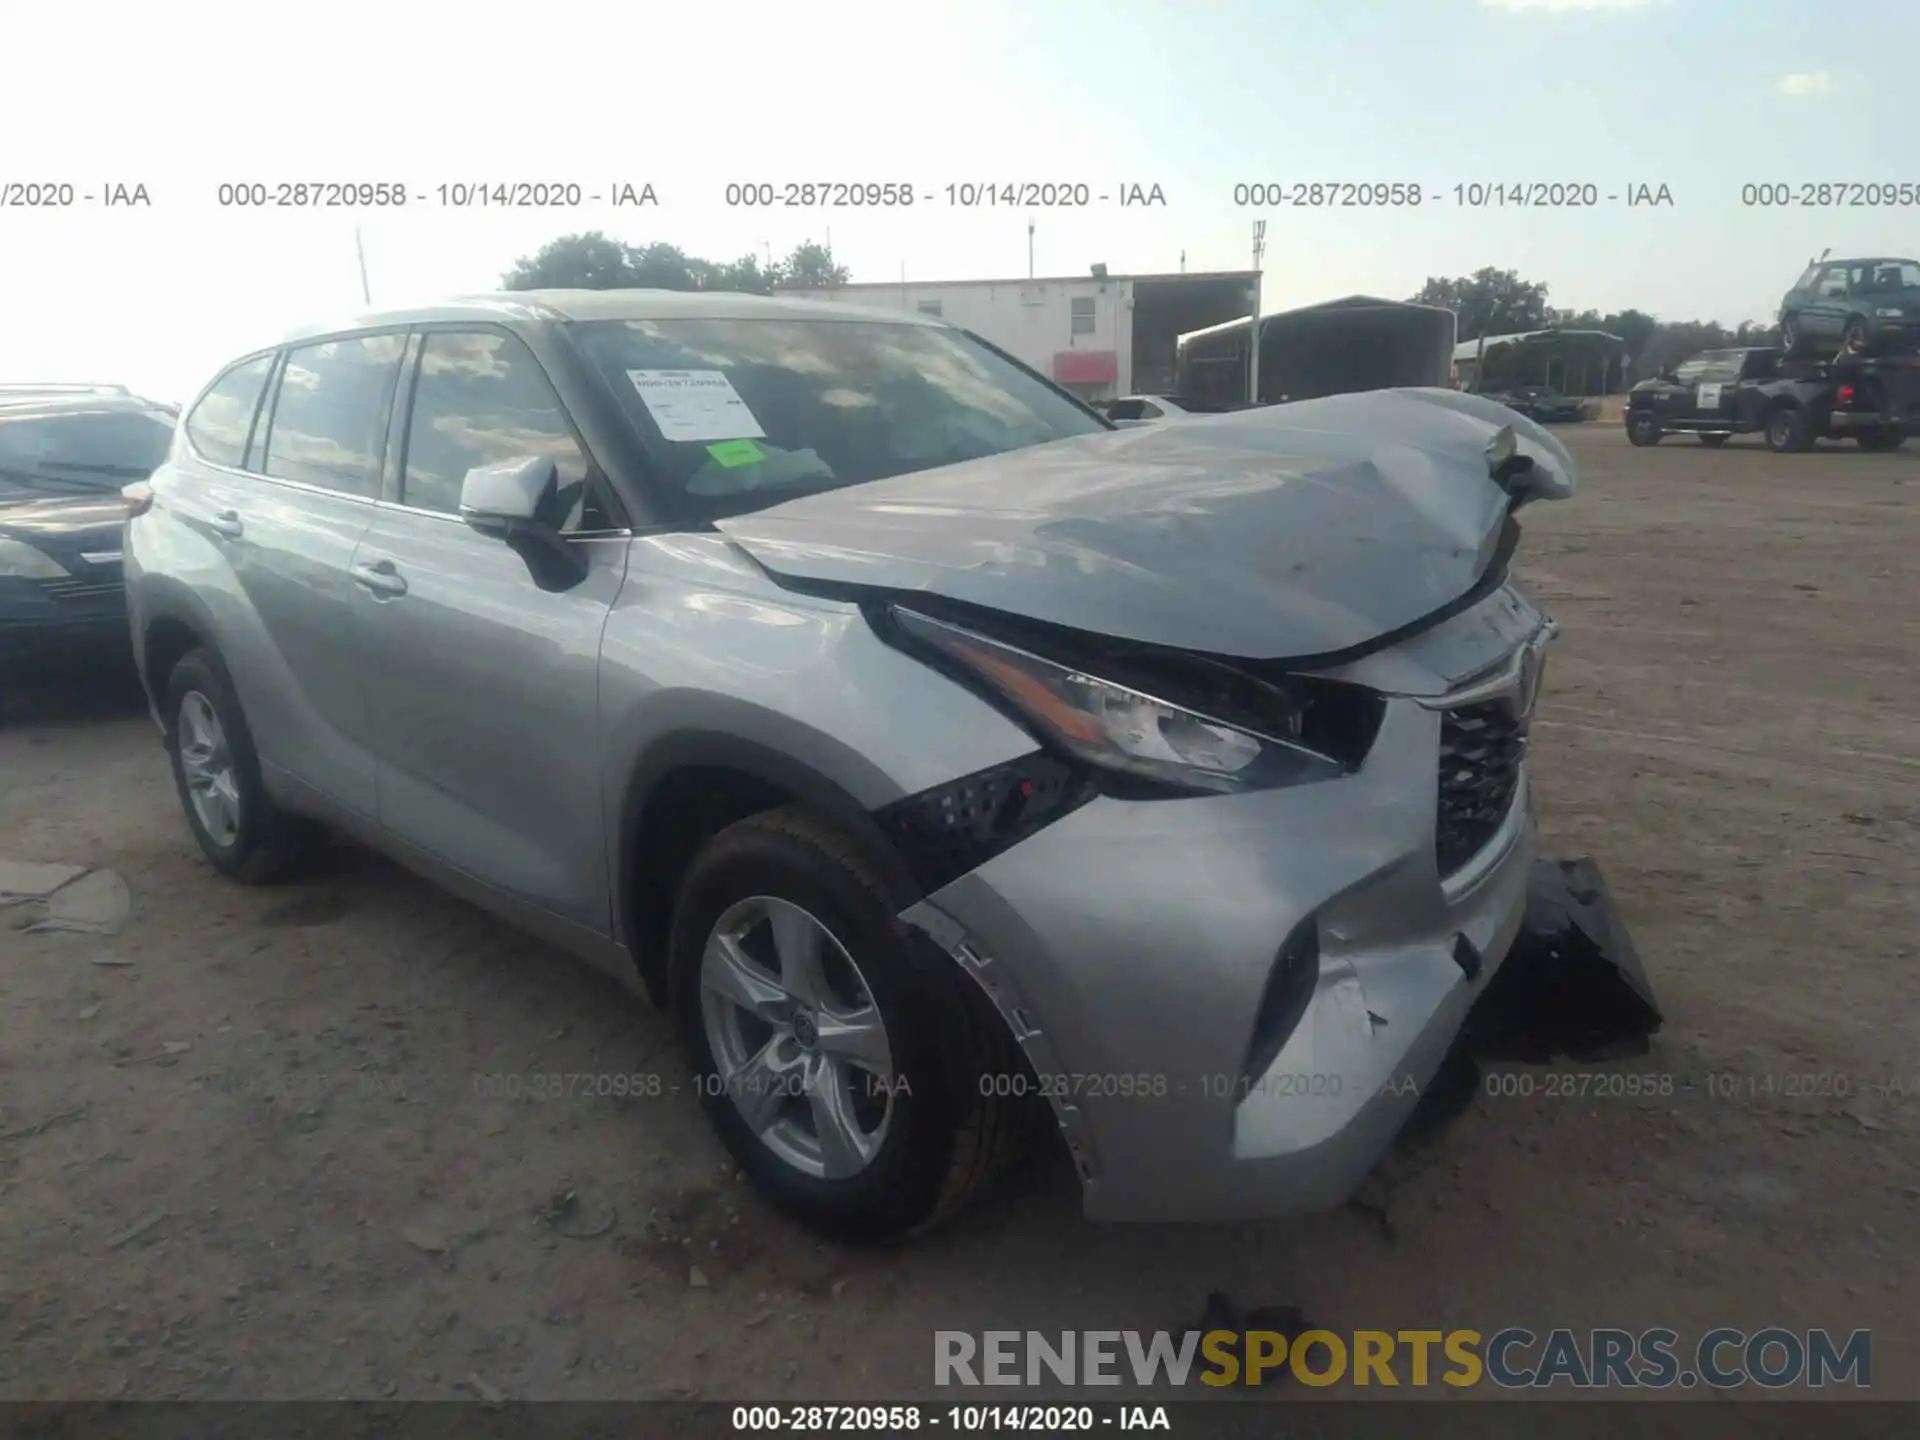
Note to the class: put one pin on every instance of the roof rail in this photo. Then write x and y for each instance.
(27, 387)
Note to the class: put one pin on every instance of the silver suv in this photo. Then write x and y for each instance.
(927, 744)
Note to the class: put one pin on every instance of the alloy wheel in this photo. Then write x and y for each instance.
(206, 760)
(799, 1045)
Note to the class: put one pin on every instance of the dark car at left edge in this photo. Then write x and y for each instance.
(66, 453)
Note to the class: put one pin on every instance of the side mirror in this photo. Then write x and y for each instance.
(496, 497)
(509, 499)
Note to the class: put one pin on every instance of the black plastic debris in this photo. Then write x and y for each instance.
(1222, 1314)
(1572, 984)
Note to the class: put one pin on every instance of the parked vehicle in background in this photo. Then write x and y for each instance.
(1794, 403)
(1865, 307)
(1145, 409)
(1541, 403)
(65, 454)
(865, 699)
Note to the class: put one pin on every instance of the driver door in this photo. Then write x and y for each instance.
(1826, 317)
(483, 687)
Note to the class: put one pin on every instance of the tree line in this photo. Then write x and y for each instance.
(595, 261)
(1498, 302)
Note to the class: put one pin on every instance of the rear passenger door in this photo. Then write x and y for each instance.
(287, 518)
(483, 687)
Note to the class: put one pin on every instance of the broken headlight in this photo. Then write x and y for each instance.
(1157, 732)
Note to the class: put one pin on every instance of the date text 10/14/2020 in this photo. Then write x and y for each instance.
(960, 1419)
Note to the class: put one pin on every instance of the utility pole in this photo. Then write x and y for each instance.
(1253, 330)
(360, 248)
(1030, 247)
(1183, 262)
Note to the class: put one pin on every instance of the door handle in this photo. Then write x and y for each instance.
(381, 578)
(227, 523)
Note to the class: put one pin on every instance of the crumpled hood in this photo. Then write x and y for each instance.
(1292, 531)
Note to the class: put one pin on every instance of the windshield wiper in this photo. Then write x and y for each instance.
(34, 480)
(124, 472)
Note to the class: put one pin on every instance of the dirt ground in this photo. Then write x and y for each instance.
(246, 1148)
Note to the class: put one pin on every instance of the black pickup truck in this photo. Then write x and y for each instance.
(1792, 402)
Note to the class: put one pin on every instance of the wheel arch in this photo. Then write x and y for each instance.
(172, 620)
(685, 788)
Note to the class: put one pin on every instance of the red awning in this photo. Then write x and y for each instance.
(1086, 367)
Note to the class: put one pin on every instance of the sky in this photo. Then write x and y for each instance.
(1703, 97)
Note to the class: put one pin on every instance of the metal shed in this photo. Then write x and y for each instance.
(1359, 342)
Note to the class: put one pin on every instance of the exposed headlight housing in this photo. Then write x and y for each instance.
(1150, 731)
(19, 559)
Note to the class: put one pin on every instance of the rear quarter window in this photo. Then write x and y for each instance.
(218, 426)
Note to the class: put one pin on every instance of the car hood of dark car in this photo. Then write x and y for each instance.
(63, 524)
(1304, 530)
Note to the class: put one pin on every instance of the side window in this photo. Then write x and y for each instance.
(1833, 280)
(328, 424)
(482, 398)
(1151, 411)
(1080, 315)
(1127, 410)
(219, 425)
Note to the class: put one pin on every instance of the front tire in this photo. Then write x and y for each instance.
(846, 1069)
(1643, 429)
(216, 772)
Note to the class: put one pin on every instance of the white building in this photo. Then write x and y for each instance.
(1097, 335)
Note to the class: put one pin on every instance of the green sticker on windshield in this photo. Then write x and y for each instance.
(735, 453)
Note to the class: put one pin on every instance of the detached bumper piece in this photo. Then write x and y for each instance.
(1572, 984)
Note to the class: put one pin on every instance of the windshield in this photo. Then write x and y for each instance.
(79, 452)
(738, 415)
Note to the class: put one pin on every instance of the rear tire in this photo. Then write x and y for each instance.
(216, 772)
(1714, 442)
(1643, 430)
(1855, 339)
(1882, 440)
(926, 1147)
(1789, 430)
(1793, 339)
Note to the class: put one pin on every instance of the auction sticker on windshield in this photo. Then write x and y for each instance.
(696, 405)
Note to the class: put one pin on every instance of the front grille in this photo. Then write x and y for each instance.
(75, 590)
(1481, 747)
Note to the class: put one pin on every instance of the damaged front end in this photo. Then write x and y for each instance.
(1573, 983)
(1573, 986)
